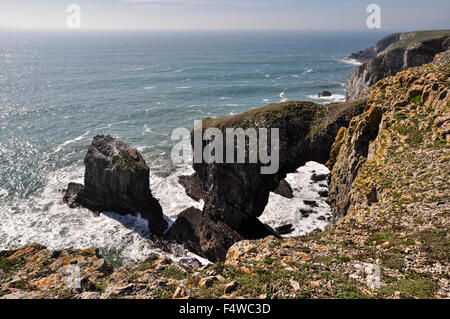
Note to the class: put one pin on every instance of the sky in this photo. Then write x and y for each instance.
(157, 15)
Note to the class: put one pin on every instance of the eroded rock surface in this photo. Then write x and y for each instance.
(238, 193)
(407, 105)
(116, 180)
(390, 62)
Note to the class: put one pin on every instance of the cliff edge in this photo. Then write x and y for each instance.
(393, 54)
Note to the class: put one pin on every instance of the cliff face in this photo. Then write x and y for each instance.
(379, 46)
(406, 111)
(236, 194)
(389, 62)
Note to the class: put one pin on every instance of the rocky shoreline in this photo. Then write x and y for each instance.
(388, 154)
(392, 54)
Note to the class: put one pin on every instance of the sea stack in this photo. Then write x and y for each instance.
(116, 179)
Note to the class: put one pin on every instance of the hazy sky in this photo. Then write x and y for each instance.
(224, 14)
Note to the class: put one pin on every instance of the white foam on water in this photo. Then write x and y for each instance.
(46, 220)
(149, 88)
(146, 129)
(3, 192)
(171, 195)
(283, 98)
(307, 71)
(281, 211)
(327, 99)
(184, 87)
(76, 139)
(350, 61)
(134, 68)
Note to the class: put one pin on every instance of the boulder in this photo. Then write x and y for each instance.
(284, 189)
(285, 229)
(325, 93)
(202, 235)
(116, 180)
(193, 186)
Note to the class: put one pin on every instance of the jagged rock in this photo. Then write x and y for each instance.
(193, 186)
(284, 189)
(318, 177)
(116, 179)
(311, 203)
(323, 193)
(89, 295)
(189, 263)
(325, 93)
(372, 196)
(285, 229)
(424, 90)
(231, 287)
(238, 193)
(208, 281)
(306, 212)
(390, 62)
(181, 292)
(201, 234)
(379, 46)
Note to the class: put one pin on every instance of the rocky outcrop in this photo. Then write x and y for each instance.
(409, 105)
(202, 235)
(397, 40)
(379, 47)
(390, 62)
(238, 193)
(284, 189)
(117, 180)
(193, 186)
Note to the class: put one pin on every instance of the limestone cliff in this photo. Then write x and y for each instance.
(236, 194)
(391, 61)
(397, 40)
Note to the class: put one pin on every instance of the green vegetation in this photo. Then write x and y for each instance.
(417, 100)
(125, 162)
(8, 266)
(419, 288)
(418, 36)
(173, 272)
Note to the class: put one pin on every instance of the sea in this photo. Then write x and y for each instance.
(59, 90)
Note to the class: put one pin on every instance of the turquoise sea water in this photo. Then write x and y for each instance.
(59, 90)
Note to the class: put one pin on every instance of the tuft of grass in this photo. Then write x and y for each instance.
(419, 288)
(417, 100)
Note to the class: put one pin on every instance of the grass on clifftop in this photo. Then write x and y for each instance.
(419, 36)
